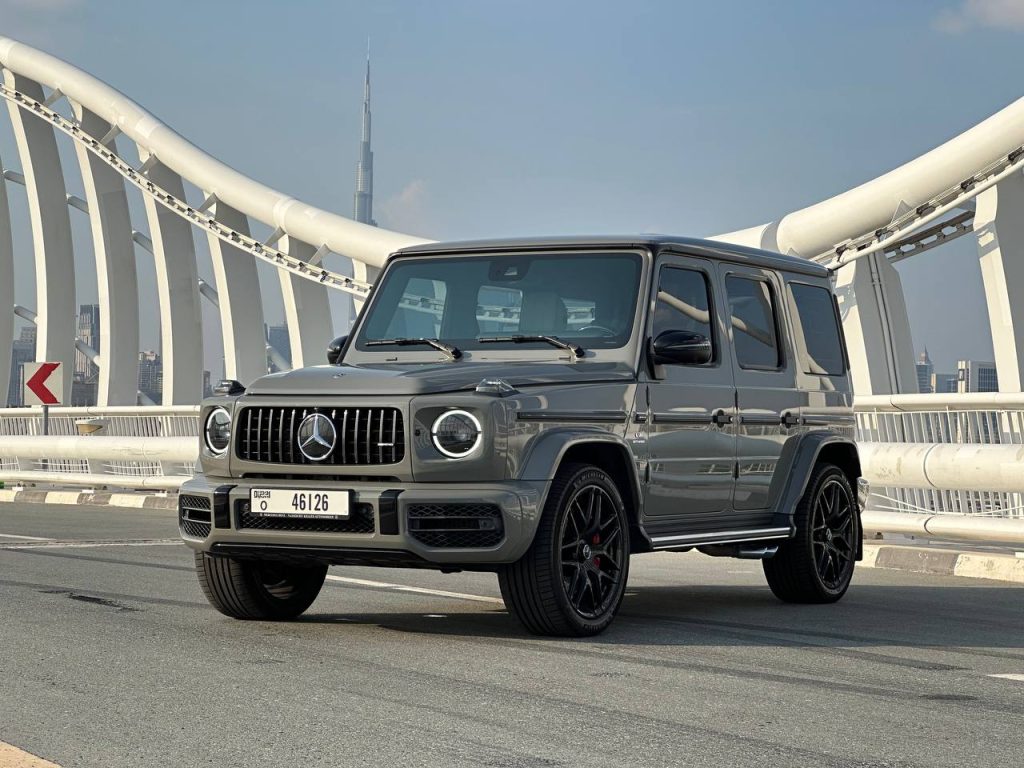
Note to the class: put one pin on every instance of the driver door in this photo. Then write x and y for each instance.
(691, 439)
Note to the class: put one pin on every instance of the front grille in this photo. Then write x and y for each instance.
(454, 526)
(194, 516)
(359, 521)
(365, 436)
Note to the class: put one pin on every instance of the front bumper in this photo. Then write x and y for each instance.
(390, 523)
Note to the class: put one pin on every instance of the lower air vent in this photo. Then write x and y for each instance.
(360, 521)
(194, 516)
(456, 526)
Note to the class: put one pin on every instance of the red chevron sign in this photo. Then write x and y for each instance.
(44, 384)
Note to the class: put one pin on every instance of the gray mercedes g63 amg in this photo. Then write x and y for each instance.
(544, 409)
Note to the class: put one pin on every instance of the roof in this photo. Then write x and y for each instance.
(693, 245)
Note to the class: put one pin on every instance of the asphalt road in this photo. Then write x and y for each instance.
(109, 656)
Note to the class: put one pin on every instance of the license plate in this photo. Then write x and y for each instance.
(276, 502)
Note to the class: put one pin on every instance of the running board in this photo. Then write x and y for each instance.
(721, 537)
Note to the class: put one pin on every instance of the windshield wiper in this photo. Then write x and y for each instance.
(449, 349)
(554, 341)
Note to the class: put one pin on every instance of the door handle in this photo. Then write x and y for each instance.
(721, 417)
(789, 419)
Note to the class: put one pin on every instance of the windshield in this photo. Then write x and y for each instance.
(482, 302)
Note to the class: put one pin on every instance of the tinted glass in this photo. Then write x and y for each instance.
(753, 322)
(588, 299)
(824, 344)
(683, 303)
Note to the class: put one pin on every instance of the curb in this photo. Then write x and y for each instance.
(90, 498)
(944, 562)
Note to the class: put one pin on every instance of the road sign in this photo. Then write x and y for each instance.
(44, 384)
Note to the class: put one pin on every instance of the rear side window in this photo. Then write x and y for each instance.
(824, 345)
(752, 315)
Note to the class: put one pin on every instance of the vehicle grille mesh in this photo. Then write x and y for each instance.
(360, 521)
(194, 516)
(366, 436)
(454, 526)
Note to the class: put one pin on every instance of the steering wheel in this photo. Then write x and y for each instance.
(606, 332)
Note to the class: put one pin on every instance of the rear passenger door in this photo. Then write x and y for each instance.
(689, 408)
(765, 369)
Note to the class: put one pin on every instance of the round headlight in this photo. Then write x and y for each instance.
(456, 433)
(218, 431)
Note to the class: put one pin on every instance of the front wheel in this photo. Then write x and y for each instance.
(816, 565)
(255, 589)
(571, 581)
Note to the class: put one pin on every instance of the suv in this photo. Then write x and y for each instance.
(544, 409)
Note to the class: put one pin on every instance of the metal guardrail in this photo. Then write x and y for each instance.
(939, 465)
(133, 447)
(944, 454)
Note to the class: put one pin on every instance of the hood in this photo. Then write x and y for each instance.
(427, 378)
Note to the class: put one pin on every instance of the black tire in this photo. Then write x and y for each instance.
(253, 589)
(571, 581)
(816, 566)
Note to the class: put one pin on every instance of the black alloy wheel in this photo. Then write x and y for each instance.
(592, 551)
(571, 581)
(832, 532)
(817, 564)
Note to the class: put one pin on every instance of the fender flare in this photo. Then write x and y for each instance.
(799, 456)
(547, 450)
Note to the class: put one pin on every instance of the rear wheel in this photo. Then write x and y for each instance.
(816, 565)
(571, 581)
(254, 589)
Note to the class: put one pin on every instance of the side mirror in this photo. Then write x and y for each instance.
(681, 348)
(335, 348)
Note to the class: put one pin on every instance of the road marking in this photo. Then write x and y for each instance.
(12, 757)
(1018, 678)
(416, 590)
(23, 538)
(50, 544)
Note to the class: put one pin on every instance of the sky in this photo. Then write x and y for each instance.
(520, 118)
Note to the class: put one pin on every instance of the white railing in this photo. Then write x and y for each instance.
(944, 454)
(944, 466)
(127, 447)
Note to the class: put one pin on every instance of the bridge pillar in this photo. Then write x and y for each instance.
(876, 327)
(367, 274)
(6, 291)
(116, 280)
(999, 228)
(241, 303)
(181, 323)
(51, 230)
(307, 311)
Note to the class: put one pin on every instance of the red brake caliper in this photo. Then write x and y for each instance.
(595, 541)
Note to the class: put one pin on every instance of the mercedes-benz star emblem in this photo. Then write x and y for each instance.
(317, 437)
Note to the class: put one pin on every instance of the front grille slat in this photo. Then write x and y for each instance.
(366, 436)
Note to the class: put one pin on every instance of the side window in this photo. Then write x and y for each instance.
(752, 313)
(824, 345)
(684, 304)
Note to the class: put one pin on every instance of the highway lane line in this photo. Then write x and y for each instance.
(12, 757)
(23, 538)
(416, 590)
(1017, 678)
(50, 544)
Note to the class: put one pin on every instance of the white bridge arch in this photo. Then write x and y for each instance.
(923, 454)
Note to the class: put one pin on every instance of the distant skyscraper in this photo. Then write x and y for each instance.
(279, 338)
(88, 332)
(363, 208)
(944, 382)
(151, 376)
(24, 351)
(974, 376)
(925, 369)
